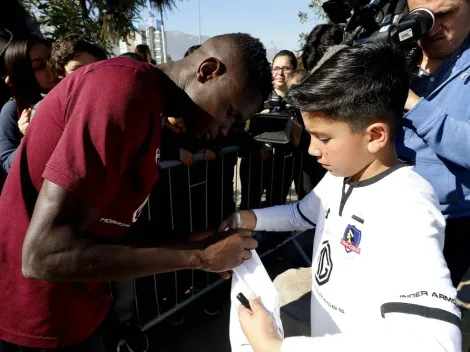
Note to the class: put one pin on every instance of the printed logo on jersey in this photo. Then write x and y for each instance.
(351, 239)
(139, 210)
(325, 265)
(157, 156)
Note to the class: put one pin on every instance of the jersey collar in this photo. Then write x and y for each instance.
(376, 178)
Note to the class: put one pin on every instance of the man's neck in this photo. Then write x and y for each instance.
(384, 161)
(174, 71)
(430, 65)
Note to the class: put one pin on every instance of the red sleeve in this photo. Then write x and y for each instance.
(106, 123)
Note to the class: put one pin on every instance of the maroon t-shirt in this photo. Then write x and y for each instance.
(97, 135)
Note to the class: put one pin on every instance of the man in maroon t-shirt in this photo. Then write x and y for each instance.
(84, 172)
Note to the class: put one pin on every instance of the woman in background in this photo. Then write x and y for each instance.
(30, 78)
(143, 51)
(284, 67)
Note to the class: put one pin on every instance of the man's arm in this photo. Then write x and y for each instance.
(58, 247)
(447, 136)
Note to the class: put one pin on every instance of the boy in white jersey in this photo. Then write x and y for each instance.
(380, 282)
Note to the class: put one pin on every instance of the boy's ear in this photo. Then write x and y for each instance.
(378, 136)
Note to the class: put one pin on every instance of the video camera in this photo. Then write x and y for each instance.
(363, 21)
(275, 127)
(387, 20)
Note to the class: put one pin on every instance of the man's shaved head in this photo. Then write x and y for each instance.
(229, 77)
(242, 52)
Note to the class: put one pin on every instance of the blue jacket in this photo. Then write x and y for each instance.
(436, 132)
(10, 135)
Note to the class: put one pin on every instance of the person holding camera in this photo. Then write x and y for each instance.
(379, 279)
(436, 128)
(270, 170)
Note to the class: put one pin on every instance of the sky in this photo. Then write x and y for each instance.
(275, 22)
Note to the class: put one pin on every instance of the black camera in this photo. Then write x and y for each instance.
(387, 20)
(275, 126)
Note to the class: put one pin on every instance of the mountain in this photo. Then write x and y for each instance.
(178, 42)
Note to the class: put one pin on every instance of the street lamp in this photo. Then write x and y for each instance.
(274, 45)
(199, 19)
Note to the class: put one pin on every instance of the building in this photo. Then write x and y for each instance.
(148, 34)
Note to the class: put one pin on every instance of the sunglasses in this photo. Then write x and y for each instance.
(5, 38)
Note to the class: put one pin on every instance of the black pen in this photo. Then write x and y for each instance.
(241, 297)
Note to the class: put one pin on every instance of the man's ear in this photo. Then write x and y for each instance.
(378, 136)
(209, 69)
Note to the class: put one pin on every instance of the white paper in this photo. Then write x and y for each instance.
(256, 277)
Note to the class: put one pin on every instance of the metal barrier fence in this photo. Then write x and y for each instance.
(190, 199)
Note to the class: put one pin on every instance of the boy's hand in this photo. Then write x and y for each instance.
(246, 220)
(187, 157)
(259, 327)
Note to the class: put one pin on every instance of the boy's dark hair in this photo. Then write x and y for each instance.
(290, 55)
(358, 85)
(133, 56)
(64, 49)
(251, 56)
(191, 49)
(318, 41)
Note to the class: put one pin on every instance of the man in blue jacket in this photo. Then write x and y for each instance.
(436, 133)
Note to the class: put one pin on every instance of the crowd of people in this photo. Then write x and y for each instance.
(379, 168)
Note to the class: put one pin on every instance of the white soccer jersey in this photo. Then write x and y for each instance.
(380, 281)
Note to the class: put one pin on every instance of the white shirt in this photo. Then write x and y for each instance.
(380, 281)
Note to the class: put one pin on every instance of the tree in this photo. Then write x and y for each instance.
(104, 21)
(315, 9)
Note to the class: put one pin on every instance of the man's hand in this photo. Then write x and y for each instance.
(187, 157)
(246, 220)
(412, 100)
(227, 250)
(259, 327)
(24, 120)
(264, 153)
(209, 155)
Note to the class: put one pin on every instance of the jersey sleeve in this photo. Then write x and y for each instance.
(412, 298)
(300, 216)
(106, 120)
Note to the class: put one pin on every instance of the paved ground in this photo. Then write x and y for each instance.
(464, 296)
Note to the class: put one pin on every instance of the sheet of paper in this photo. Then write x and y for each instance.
(255, 280)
